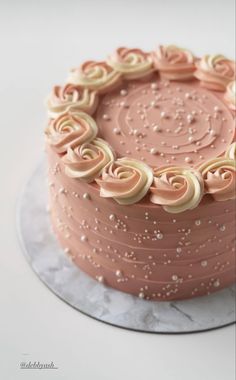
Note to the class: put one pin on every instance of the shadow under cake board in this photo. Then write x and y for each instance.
(97, 301)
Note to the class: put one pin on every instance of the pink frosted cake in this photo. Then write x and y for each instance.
(141, 150)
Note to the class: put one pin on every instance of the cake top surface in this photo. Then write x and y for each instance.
(162, 122)
(157, 125)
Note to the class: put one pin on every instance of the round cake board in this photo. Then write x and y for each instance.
(105, 304)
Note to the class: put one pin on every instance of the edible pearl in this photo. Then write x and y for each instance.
(174, 277)
(86, 196)
(112, 217)
(123, 92)
(153, 151)
(141, 295)
(198, 222)
(105, 117)
(159, 236)
(116, 131)
(118, 273)
(188, 160)
(204, 263)
(100, 278)
(83, 238)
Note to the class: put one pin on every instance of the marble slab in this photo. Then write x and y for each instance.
(96, 300)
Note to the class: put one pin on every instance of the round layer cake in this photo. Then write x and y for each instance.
(141, 150)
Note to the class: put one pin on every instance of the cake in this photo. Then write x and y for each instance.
(141, 156)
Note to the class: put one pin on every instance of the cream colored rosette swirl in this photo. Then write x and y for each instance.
(176, 189)
(70, 129)
(97, 76)
(127, 181)
(71, 98)
(174, 63)
(215, 72)
(219, 176)
(86, 161)
(131, 63)
(230, 95)
(231, 152)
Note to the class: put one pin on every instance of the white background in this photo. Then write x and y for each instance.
(39, 42)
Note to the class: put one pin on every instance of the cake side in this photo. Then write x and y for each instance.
(142, 249)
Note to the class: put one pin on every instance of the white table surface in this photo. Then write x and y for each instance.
(39, 42)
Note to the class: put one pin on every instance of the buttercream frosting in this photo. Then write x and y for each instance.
(219, 176)
(215, 72)
(70, 129)
(86, 161)
(71, 98)
(174, 63)
(94, 75)
(230, 95)
(177, 189)
(131, 63)
(126, 181)
(231, 152)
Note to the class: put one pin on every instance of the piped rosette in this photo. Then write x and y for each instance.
(69, 130)
(231, 152)
(127, 181)
(215, 72)
(86, 162)
(174, 63)
(219, 177)
(176, 189)
(131, 63)
(71, 98)
(230, 95)
(98, 76)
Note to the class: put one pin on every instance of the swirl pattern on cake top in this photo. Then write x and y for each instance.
(71, 98)
(86, 161)
(219, 177)
(177, 189)
(127, 181)
(131, 63)
(69, 130)
(94, 75)
(215, 72)
(174, 63)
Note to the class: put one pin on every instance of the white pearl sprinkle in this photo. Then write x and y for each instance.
(154, 86)
(153, 151)
(100, 279)
(157, 128)
(112, 217)
(204, 263)
(86, 196)
(188, 160)
(141, 295)
(178, 250)
(105, 117)
(174, 277)
(123, 92)
(118, 273)
(117, 131)
(83, 238)
(159, 236)
(198, 222)
(216, 283)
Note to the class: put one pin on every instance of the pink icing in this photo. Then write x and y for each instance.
(141, 249)
(163, 122)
